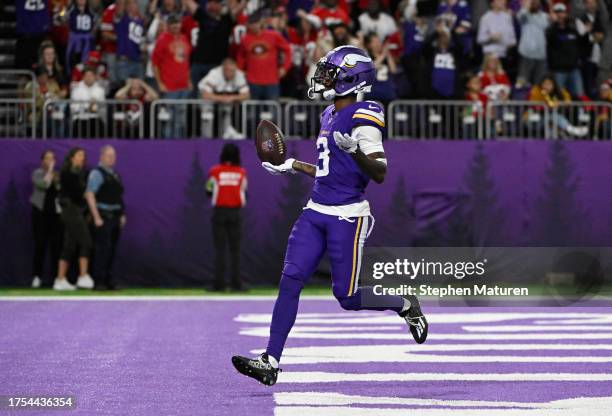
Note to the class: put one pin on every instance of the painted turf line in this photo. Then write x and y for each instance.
(369, 411)
(312, 398)
(307, 377)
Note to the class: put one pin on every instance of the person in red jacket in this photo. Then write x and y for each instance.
(170, 61)
(227, 185)
(260, 52)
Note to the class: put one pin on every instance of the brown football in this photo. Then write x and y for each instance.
(270, 143)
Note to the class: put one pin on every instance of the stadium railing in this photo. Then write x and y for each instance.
(519, 119)
(124, 119)
(19, 116)
(302, 118)
(420, 119)
(196, 118)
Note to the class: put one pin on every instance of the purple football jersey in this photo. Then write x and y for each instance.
(130, 32)
(81, 21)
(339, 181)
(32, 16)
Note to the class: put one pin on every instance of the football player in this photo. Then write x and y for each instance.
(337, 218)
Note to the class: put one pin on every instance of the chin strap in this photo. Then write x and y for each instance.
(310, 93)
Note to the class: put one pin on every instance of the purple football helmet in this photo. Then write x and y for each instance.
(343, 71)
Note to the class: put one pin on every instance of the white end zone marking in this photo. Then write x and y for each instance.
(338, 399)
(328, 377)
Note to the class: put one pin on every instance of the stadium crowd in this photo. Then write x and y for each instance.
(548, 51)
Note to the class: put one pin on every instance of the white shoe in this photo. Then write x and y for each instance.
(63, 285)
(85, 282)
(578, 131)
(36, 282)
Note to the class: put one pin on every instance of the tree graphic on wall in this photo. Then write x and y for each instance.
(484, 217)
(290, 203)
(557, 207)
(196, 240)
(15, 245)
(399, 223)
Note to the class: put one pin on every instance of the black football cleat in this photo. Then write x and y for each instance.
(416, 320)
(258, 368)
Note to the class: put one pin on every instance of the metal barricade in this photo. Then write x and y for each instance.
(302, 118)
(582, 120)
(517, 120)
(435, 119)
(18, 118)
(253, 111)
(122, 119)
(195, 118)
(13, 82)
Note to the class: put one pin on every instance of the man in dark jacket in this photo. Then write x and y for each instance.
(104, 197)
(564, 51)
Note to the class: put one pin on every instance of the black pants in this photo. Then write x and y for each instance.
(76, 232)
(106, 238)
(226, 227)
(47, 231)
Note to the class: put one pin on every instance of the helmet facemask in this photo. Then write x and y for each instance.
(328, 76)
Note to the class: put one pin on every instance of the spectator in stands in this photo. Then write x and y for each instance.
(136, 89)
(496, 30)
(413, 61)
(129, 27)
(46, 225)
(226, 85)
(93, 62)
(457, 16)
(474, 94)
(42, 89)
(260, 52)
(603, 120)
(383, 88)
(227, 185)
(328, 13)
(104, 196)
(532, 45)
(374, 20)
(77, 240)
(139, 90)
(48, 61)
(303, 42)
(563, 51)
(551, 94)
(87, 111)
(444, 63)
(32, 26)
(215, 27)
(591, 25)
(81, 24)
(171, 67)
(336, 34)
(108, 37)
(493, 79)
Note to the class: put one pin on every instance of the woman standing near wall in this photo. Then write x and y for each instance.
(73, 181)
(46, 225)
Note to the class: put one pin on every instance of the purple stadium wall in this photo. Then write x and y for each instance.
(500, 193)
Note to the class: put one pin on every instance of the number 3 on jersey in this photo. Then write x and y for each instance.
(323, 162)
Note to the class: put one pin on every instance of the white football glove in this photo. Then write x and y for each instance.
(346, 142)
(285, 167)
